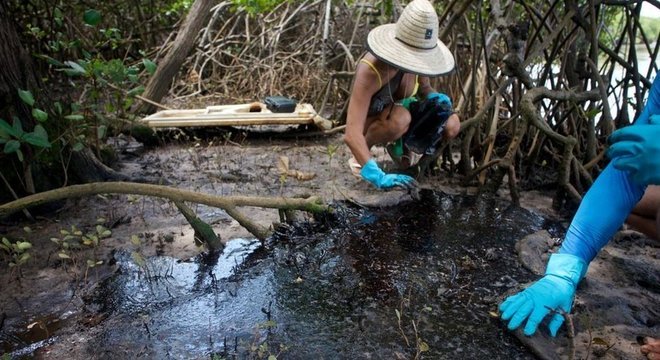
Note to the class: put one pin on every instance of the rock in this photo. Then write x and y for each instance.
(533, 251)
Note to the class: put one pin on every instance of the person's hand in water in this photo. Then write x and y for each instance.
(552, 293)
(636, 150)
(372, 173)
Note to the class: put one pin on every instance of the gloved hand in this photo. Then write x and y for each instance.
(442, 99)
(636, 150)
(554, 291)
(372, 173)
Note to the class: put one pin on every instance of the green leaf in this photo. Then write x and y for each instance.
(26, 96)
(135, 240)
(11, 146)
(423, 346)
(19, 154)
(27, 229)
(63, 256)
(78, 146)
(138, 259)
(39, 114)
(8, 129)
(92, 17)
(25, 257)
(40, 131)
(6, 242)
(18, 127)
(74, 117)
(38, 137)
(74, 69)
(51, 60)
(272, 357)
(23, 245)
(136, 91)
(150, 66)
(100, 131)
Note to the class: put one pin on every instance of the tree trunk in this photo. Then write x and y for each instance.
(161, 81)
(17, 71)
(87, 168)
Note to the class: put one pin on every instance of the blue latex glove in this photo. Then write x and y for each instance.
(441, 99)
(636, 150)
(372, 173)
(552, 292)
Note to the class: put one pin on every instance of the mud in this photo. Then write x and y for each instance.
(386, 277)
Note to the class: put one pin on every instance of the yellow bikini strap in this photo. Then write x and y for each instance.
(380, 81)
(416, 85)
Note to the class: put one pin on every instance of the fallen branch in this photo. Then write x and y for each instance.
(311, 204)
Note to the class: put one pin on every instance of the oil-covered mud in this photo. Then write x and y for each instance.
(419, 279)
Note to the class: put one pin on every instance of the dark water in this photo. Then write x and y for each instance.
(416, 280)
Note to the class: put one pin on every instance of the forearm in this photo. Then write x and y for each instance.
(357, 143)
(603, 210)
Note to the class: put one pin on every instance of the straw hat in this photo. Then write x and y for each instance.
(412, 43)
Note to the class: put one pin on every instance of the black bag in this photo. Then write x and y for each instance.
(280, 104)
(429, 119)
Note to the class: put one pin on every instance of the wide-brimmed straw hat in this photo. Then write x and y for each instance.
(412, 43)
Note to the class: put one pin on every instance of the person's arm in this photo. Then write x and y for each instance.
(425, 88)
(610, 199)
(602, 211)
(364, 86)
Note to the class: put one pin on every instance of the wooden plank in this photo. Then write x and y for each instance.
(231, 115)
(234, 117)
(228, 122)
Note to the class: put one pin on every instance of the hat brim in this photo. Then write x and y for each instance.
(382, 42)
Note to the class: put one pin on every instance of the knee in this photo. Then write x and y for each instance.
(402, 122)
(399, 122)
(453, 127)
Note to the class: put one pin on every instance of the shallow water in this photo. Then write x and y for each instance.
(420, 278)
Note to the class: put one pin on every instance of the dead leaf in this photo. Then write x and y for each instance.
(283, 165)
(600, 341)
(302, 176)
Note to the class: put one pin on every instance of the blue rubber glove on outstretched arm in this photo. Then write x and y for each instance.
(554, 292)
(372, 173)
(602, 211)
(636, 150)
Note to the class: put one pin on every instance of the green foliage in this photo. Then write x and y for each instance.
(14, 137)
(92, 17)
(95, 69)
(651, 27)
(18, 251)
(75, 239)
(254, 7)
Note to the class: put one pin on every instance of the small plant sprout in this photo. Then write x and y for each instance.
(18, 252)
